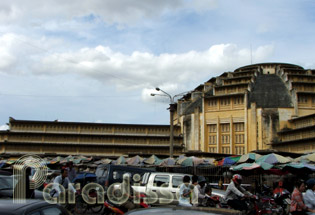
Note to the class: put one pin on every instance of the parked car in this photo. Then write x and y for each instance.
(7, 186)
(30, 207)
(109, 174)
(163, 184)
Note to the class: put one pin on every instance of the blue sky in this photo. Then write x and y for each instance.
(98, 61)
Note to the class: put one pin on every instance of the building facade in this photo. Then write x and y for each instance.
(299, 136)
(92, 139)
(241, 111)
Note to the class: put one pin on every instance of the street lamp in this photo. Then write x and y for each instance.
(172, 110)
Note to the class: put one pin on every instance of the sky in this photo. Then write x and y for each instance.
(99, 60)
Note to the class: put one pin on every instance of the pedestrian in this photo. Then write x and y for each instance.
(71, 171)
(196, 191)
(297, 206)
(201, 187)
(309, 197)
(185, 192)
(61, 180)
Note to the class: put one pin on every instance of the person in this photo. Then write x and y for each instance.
(196, 191)
(235, 192)
(201, 186)
(309, 197)
(297, 206)
(209, 199)
(71, 171)
(185, 192)
(279, 188)
(62, 180)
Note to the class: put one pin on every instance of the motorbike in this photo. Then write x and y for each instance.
(283, 199)
(263, 206)
(212, 201)
(110, 208)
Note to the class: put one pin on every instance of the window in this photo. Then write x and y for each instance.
(239, 100)
(177, 181)
(302, 99)
(231, 89)
(240, 150)
(225, 127)
(212, 149)
(225, 101)
(213, 139)
(238, 127)
(225, 139)
(308, 88)
(159, 180)
(212, 103)
(239, 138)
(212, 128)
(226, 150)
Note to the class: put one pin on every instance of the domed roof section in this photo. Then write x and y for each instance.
(255, 66)
(269, 91)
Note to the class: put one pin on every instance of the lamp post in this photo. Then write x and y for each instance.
(172, 110)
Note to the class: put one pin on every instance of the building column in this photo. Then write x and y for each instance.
(253, 128)
(245, 123)
(231, 136)
(218, 136)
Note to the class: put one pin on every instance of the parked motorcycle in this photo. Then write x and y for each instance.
(263, 206)
(110, 208)
(284, 200)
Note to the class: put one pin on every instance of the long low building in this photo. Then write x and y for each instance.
(97, 139)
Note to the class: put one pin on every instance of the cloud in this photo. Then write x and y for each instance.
(110, 11)
(137, 70)
(4, 127)
(7, 58)
(143, 70)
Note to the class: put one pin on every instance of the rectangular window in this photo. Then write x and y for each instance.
(225, 139)
(212, 128)
(239, 127)
(213, 139)
(212, 149)
(239, 100)
(177, 181)
(212, 103)
(226, 150)
(225, 101)
(239, 138)
(308, 88)
(302, 99)
(225, 127)
(239, 150)
(160, 180)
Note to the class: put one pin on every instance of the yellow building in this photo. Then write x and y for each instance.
(241, 111)
(56, 137)
(299, 136)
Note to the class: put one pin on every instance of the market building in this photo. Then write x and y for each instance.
(97, 139)
(249, 109)
(268, 106)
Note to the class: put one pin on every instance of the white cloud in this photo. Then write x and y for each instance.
(110, 11)
(4, 127)
(7, 58)
(138, 70)
(142, 70)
